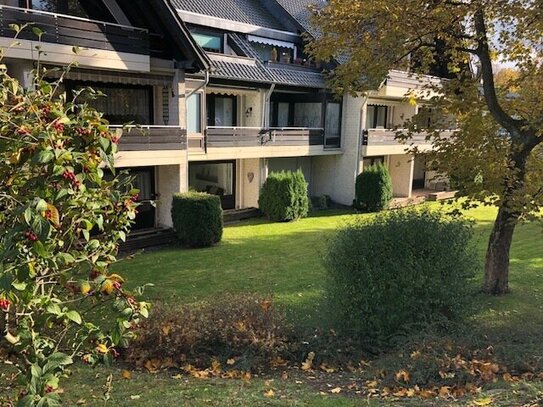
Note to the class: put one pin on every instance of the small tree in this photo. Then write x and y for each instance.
(60, 223)
(373, 189)
(284, 196)
(497, 152)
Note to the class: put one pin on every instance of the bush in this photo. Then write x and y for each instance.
(398, 270)
(284, 196)
(197, 219)
(321, 202)
(244, 328)
(373, 189)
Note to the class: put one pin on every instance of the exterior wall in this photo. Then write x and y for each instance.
(252, 101)
(230, 153)
(249, 172)
(177, 106)
(323, 175)
(170, 179)
(401, 172)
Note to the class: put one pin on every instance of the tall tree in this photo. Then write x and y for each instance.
(496, 155)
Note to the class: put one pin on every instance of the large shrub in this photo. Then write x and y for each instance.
(197, 219)
(284, 196)
(399, 269)
(61, 221)
(244, 329)
(373, 189)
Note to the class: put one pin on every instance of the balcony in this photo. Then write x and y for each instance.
(74, 31)
(217, 137)
(152, 138)
(384, 142)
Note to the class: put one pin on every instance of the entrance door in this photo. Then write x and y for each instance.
(221, 111)
(144, 181)
(419, 173)
(216, 178)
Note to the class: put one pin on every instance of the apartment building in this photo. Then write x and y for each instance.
(136, 52)
(224, 94)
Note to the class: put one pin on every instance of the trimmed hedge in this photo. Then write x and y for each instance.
(399, 271)
(197, 219)
(373, 189)
(284, 196)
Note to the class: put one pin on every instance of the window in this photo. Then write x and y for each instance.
(377, 117)
(272, 53)
(333, 119)
(209, 42)
(194, 113)
(221, 110)
(121, 104)
(308, 115)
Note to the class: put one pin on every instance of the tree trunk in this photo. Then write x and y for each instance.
(497, 255)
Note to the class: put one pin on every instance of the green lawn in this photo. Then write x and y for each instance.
(285, 260)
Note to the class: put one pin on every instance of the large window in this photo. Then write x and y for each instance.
(209, 42)
(377, 117)
(194, 113)
(121, 104)
(308, 115)
(221, 110)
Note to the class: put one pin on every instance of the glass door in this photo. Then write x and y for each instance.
(144, 181)
(216, 178)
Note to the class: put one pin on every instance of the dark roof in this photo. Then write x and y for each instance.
(280, 74)
(249, 71)
(242, 11)
(299, 10)
(161, 19)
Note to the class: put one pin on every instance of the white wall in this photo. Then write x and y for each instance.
(171, 179)
(249, 172)
(401, 171)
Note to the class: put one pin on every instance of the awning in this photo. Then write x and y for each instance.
(128, 78)
(269, 41)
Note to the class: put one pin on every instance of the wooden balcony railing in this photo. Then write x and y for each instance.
(149, 138)
(387, 137)
(256, 136)
(75, 31)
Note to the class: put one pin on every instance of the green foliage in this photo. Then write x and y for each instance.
(373, 189)
(399, 269)
(284, 196)
(60, 224)
(320, 202)
(197, 219)
(244, 327)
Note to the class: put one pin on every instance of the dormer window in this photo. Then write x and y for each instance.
(209, 41)
(273, 50)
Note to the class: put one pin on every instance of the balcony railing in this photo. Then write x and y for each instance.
(149, 138)
(387, 137)
(256, 136)
(75, 31)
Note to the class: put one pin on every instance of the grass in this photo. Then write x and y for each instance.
(284, 260)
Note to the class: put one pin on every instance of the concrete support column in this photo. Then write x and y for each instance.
(170, 179)
(401, 169)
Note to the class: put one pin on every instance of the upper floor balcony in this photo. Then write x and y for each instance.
(385, 141)
(74, 31)
(152, 138)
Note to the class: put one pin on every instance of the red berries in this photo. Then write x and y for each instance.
(115, 139)
(4, 304)
(59, 127)
(114, 353)
(70, 176)
(81, 131)
(117, 285)
(30, 235)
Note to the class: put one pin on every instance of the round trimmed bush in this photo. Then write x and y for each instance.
(400, 270)
(197, 219)
(373, 189)
(284, 196)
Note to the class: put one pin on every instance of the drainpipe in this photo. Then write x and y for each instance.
(266, 113)
(206, 81)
